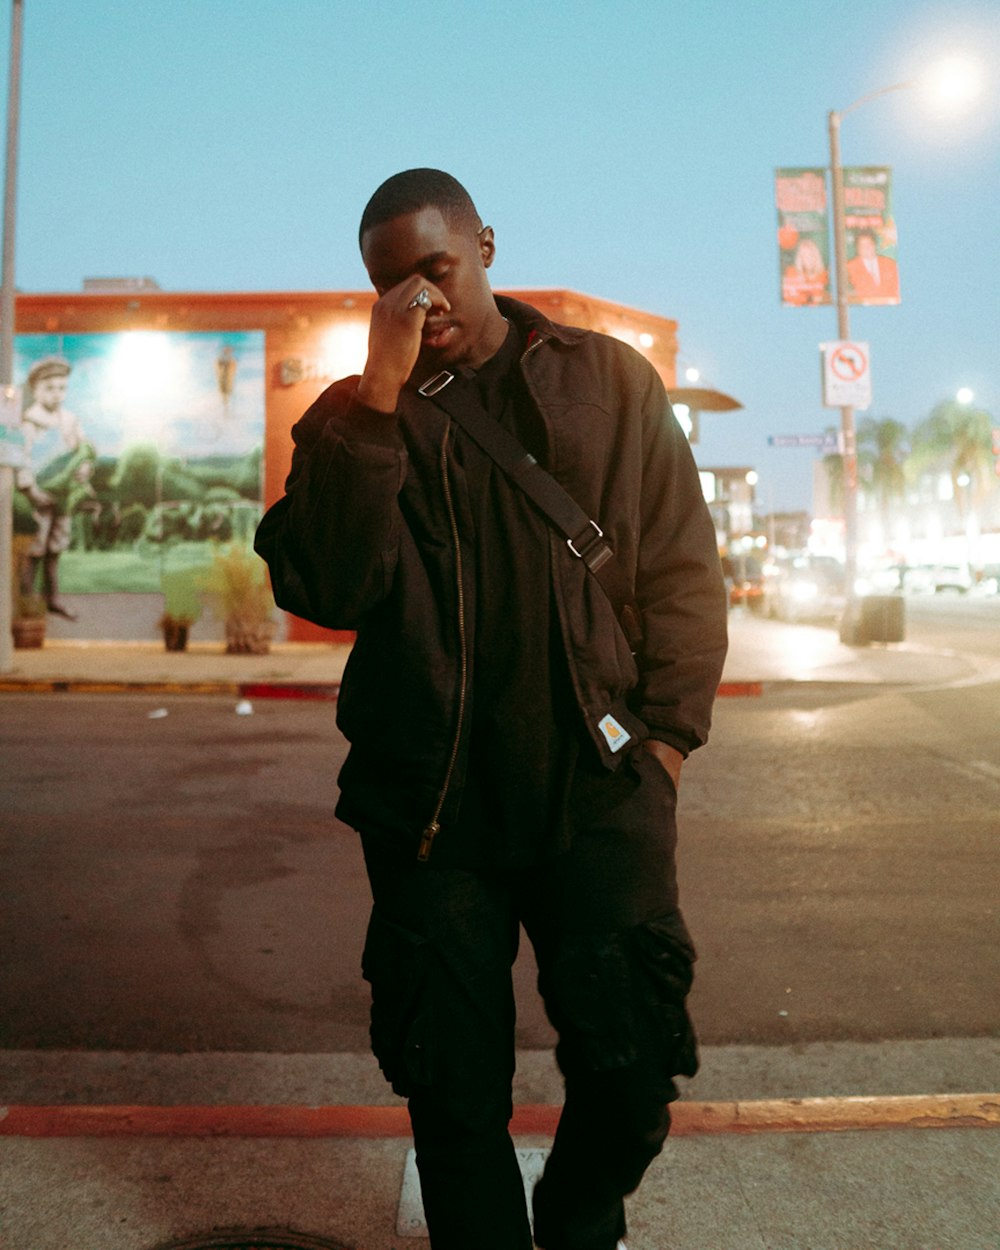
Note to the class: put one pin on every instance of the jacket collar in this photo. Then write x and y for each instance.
(534, 324)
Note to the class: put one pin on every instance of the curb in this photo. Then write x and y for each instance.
(246, 689)
(233, 689)
(779, 1115)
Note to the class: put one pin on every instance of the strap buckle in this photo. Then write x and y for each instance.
(592, 550)
(437, 383)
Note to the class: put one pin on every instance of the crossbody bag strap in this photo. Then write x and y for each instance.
(584, 537)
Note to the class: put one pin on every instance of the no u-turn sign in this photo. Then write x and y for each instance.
(847, 379)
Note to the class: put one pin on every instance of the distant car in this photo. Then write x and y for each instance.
(952, 577)
(804, 588)
(744, 581)
(988, 582)
(918, 579)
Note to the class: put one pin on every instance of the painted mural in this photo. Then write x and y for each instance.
(144, 452)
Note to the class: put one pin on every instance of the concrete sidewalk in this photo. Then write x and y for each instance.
(932, 1189)
(761, 652)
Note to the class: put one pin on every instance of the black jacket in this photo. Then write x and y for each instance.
(368, 537)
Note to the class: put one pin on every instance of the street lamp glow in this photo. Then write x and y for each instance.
(964, 395)
(692, 374)
(954, 82)
(646, 339)
(752, 478)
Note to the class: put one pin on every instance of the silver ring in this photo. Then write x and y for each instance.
(423, 300)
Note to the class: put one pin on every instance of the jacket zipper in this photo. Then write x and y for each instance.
(432, 829)
(535, 341)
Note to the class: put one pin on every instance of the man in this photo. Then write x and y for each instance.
(512, 762)
(871, 277)
(56, 479)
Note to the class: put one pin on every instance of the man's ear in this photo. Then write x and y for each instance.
(487, 246)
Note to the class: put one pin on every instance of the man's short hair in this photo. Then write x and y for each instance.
(414, 189)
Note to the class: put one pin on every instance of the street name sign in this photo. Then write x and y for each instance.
(847, 379)
(827, 442)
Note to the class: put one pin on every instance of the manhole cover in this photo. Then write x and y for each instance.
(254, 1239)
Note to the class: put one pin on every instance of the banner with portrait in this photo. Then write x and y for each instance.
(870, 233)
(800, 195)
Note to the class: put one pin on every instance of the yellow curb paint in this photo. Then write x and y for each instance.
(838, 1115)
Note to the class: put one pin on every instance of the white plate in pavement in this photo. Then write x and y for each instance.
(410, 1221)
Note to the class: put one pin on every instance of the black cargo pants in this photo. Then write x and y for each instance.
(615, 965)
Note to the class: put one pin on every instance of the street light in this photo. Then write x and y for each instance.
(953, 81)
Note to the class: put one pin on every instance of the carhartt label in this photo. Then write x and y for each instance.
(615, 735)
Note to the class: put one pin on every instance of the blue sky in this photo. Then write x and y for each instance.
(621, 149)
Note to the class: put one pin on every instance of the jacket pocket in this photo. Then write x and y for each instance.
(664, 971)
(397, 965)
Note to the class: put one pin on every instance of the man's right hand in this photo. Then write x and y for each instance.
(394, 338)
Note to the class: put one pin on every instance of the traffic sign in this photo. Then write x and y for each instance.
(847, 381)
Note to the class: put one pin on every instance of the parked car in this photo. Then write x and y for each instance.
(804, 588)
(952, 577)
(989, 580)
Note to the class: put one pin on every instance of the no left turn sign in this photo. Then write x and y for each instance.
(847, 381)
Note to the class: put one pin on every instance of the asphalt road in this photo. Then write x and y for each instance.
(177, 882)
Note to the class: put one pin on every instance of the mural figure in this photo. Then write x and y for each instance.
(56, 479)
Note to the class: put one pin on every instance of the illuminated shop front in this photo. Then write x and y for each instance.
(160, 422)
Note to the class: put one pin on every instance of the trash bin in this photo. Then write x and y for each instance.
(874, 618)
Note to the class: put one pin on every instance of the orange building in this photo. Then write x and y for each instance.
(310, 339)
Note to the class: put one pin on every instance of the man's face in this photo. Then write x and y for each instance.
(455, 260)
(50, 392)
(865, 246)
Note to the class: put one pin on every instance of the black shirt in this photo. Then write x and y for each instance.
(524, 733)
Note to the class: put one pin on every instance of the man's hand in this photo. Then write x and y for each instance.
(394, 341)
(669, 757)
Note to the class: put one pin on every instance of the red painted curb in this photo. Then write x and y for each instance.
(290, 690)
(787, 1115)
(741, 689)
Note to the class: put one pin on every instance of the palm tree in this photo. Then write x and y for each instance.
(833, 462)
(883, 445)
(957, 438)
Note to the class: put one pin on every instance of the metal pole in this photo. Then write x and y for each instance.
(850, 448)
(7, 312)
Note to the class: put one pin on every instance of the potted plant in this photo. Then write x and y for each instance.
(28, 623)
(28, 607)
(181, 607)
(238, 583)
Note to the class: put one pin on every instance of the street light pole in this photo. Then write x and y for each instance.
(847, 427)
(7, 309)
